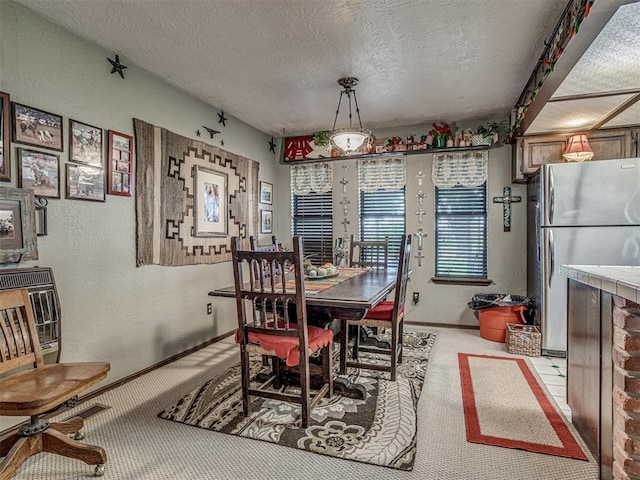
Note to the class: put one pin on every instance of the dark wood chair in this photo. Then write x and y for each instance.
(38, 390)
(388, 315)
(369, 254)
(270, 247)
(271, 331)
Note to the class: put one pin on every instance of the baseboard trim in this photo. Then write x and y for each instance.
(127, 379)
(442, 325)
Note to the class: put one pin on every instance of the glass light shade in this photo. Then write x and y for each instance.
(578, 149)
(348, 140)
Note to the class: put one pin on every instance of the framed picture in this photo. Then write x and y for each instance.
(5, 151)
(40, 172)
(210, 202)
(17, 225)
(85, 182)
(85, 143)
(266, 193)
(266, 221)
(36, 127)
(119, 156)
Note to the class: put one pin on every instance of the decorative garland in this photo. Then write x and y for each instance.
(568, 26)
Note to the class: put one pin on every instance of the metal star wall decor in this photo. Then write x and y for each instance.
(211, 131)
(272, 146)
(222, 119)
(117, 66)
(198, 133)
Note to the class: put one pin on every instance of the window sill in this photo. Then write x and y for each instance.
(461, 281)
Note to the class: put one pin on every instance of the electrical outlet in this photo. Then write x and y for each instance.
(415, 297)
(209, 309)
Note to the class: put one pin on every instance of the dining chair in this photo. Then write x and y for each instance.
(269, 247)
(271, 331)
(388, 315)
(369, 254)
(38, 390)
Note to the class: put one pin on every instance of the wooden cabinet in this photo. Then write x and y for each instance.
(531, 152)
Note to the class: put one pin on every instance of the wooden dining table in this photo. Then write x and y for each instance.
(350, 299)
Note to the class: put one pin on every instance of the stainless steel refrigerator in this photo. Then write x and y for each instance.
(577, 214)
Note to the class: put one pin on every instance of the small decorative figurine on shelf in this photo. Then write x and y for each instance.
(441, 134)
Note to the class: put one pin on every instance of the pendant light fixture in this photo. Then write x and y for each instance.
(348, 140)
(578, 149)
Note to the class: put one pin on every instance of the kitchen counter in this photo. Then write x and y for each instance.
(603, 336)
(617, 280)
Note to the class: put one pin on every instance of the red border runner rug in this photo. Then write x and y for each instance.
(505, 406)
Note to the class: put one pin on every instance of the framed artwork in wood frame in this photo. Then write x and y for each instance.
(85, 182)
(36, 127)
(5, 145)
(40, 172)
(120, 160)
(266, 221)
(85, 143)
(210, 203)
(17, 225)
(266, 193)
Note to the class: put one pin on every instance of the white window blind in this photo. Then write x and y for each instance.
(313, 220)
(382, 213)
(461, 232)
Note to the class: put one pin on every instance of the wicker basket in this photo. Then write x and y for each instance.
(523, 339)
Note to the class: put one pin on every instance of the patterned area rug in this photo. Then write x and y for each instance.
(381, 429)
(525, 418)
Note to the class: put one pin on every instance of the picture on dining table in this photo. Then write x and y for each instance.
(210, 202)
(5, 151)
(266, 221)
(85, 143)
(40, 172)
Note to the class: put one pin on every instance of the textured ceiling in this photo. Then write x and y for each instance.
(274, 64)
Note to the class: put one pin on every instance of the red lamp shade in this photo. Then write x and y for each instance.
(578, 149)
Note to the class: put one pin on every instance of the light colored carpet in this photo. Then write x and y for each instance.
(525, 418)
(142, 446)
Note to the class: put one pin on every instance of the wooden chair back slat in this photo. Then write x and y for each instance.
(369, 254)
(266, 294)
(19, 344)
(404, 271)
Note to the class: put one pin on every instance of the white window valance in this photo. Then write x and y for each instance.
(382, 174)
(316, 177)
(468, 169)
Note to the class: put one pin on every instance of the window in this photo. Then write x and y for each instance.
(461, 232)
(313, 220)
(382, 213)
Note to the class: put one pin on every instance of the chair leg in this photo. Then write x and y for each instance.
(394, 351)
(304, 387)
(356, 342)
(344, 344)
(244, 374)
(57, 442)
(400, 340)
(7, 442)
(327, 367)
(22, 449)
(73, 425)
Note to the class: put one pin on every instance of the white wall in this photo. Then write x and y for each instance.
(112, 310)
(446, 304)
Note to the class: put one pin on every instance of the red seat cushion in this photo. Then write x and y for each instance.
(382, 311)
(287, 347)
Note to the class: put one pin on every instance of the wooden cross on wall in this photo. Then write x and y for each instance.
(506, 200)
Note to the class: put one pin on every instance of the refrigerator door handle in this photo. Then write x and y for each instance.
(551, 195)
(550, 256)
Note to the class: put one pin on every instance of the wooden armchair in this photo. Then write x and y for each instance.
(384, 315)
(369, 254)
(38, 390)
(270, 331)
